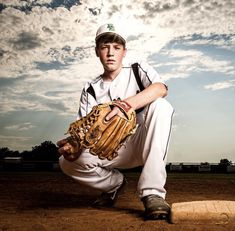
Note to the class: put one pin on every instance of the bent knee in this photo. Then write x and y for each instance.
(65, 165)
(85, 163)
(163, 104)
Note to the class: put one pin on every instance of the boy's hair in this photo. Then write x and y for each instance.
(110, 38)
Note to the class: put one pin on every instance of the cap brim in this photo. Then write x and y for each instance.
(111, 33)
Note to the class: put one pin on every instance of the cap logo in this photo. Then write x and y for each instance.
(110, 27)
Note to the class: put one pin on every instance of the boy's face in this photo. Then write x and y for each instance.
(111, 55)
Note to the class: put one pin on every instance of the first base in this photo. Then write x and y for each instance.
(201, 212)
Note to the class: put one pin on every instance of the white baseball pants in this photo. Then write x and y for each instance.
(147, 148)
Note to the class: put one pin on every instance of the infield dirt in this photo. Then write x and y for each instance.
(39, 201)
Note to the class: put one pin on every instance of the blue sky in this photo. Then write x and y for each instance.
(47, 54)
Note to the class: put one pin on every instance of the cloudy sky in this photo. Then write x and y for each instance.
(47, 54)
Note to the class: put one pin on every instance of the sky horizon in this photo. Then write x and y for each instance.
(47, 55)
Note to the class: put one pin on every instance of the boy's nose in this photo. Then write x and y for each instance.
(110, 52)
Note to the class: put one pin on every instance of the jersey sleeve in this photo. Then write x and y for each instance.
(149, 75)
(87, 101)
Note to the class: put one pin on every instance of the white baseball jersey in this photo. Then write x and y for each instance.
(123, 86)
(146, 147)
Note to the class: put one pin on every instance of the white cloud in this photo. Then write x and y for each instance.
(14, 142)
(220, 41)
(219, 66)
(32, 42)
(16, 138)
(220, 85)
(188, 61)
(47, 53)
(24, 3)
(20, 127)
(28, 38)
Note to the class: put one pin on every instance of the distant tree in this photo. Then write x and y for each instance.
(45, 151)
(14, 154)
(225, 162)
(27, 155)
(3, 152)
(7, 152)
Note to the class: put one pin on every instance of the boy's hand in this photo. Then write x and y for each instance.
(69, 149)
(120, 109)
(100, 136)
(115, 111)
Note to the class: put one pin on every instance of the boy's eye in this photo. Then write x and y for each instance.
(103, 47)
(117, 47)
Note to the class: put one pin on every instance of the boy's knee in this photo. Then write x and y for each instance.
(163, 104)
(85, 163)
(65, 165)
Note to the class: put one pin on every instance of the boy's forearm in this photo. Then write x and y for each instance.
(148, 95)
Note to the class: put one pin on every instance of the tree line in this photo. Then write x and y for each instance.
(46, 151)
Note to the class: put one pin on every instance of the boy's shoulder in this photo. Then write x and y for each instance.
(141, 63)
(92, 82)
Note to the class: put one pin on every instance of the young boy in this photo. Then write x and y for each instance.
(147, 147)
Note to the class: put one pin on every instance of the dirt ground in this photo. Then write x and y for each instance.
(41, 201)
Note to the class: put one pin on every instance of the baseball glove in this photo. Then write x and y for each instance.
(103, 138)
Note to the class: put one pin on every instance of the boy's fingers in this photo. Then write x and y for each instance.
(115, 111)
(62, 142)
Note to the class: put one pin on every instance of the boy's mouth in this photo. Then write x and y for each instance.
(110, 61)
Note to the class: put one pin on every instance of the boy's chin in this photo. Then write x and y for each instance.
(111, 67)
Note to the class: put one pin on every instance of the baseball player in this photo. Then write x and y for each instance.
(147, 147)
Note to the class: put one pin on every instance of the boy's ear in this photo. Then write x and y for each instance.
(125, 52)
(96, 52)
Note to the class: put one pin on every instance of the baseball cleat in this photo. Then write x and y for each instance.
(109, 199)
(156, 208)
